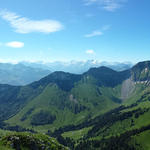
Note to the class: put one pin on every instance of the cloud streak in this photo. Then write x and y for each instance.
(98, 32)
(15, 44)
(108, 5)
(25, 25)
(94, 33)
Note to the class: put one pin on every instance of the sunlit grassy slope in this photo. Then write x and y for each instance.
(121, 123)
(54, 100)
(101, 104)
(27, 141)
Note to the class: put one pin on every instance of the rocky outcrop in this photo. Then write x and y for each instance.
(127, 88)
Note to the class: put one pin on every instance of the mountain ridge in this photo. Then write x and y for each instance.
(63, 102)
(71, 83)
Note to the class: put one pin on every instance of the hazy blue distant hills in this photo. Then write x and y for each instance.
(78, 67)
(25, 72)
(19, 74)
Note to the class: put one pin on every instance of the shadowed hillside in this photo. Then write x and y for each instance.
(98, 107)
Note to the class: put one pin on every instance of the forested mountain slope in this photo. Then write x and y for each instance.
(98, 107)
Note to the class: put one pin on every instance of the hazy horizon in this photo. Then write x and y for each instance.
(66, 62)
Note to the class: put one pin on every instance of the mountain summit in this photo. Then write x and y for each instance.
(141, 71)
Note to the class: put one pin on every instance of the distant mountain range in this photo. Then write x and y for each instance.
(25, 72)
(78, 67)
(19, 74)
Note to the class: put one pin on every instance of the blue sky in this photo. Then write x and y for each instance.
(64, 30)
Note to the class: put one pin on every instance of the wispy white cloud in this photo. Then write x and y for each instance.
(24, 25)
(94, 33)
(90, 52)
(15, 44)
(98, 32)
(109, 5)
